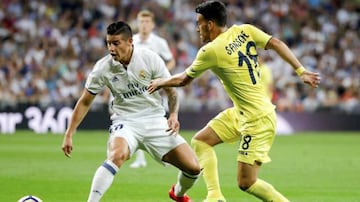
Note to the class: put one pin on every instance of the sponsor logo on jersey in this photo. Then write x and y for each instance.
(135, 89)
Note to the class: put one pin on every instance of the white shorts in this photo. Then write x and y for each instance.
(149, 135)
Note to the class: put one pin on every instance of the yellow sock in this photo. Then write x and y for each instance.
(208, 161)
(266, 192)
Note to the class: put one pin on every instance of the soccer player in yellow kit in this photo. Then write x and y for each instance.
(231, 54)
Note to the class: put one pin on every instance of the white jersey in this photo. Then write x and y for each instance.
(156, 44)
(129, 86)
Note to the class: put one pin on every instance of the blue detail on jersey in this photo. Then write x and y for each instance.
(114, 79)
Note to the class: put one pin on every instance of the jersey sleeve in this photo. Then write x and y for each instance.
(205, 59)
(260, 37)
(94, 83)
(164, 50)
(159, 70)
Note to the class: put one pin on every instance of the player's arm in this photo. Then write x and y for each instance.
(176, 80)
(81, 109)
(311, 78)
(205, 59)
(170, 64)
(166, 54)
(173, 103)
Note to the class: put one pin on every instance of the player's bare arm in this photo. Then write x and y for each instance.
(81, 109)
(176, 80)
(308, 77)
(173, 103)
(171, 64)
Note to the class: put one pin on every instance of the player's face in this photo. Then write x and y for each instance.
(120, 48)
(203, 28)
(146, 24)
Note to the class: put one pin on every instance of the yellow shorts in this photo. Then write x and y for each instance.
(256, 137)
(226, 125)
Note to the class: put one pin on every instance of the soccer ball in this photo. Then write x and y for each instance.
(29, 198)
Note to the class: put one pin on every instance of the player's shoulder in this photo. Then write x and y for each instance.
(207, 48)
(146, 54)
(245, 26)
(103, 63)
(156, 38)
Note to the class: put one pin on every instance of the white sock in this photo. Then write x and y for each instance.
(140, 156)
(184, 183)
(102, 180)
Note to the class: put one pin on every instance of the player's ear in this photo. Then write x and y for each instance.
(210, 24)
(130, 40)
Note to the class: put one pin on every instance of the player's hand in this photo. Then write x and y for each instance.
(154, 85)
(311, 78)
(174, 126)
(67, 146)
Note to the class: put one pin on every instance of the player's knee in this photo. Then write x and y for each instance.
(245, 184)
(118, 157)
(194, 170)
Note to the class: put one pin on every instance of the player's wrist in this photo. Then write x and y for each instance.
(173, 115)
(300, 70)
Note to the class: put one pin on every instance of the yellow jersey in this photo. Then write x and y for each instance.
(266, 79)
(233, 58)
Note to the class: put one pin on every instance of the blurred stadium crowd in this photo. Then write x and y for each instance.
(48, 47)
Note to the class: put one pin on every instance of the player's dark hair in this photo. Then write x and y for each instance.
(213, 10)
(118, 28)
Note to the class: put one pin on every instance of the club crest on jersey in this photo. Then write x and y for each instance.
(142, 74)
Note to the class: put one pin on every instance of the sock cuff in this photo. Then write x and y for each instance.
(252, 187)
(110, 166)
(190, 176)
(259, 182)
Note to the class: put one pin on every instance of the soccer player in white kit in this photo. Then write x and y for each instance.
(146, 38)
(138, 119)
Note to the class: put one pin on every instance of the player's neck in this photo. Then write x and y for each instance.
(144, 36)
(217, 32)
(126, 61)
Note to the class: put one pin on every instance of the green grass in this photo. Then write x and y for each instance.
(308, 167)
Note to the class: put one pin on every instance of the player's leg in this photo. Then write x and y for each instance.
(140, 160)
(220, 129)
(173, 149)
(183, 157)
(104, 175)
(253, 151)
(203, 143)
(249, 182)
(118, 151)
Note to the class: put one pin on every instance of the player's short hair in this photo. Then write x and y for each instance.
(146, 13)
(213, 10)
(118, 28)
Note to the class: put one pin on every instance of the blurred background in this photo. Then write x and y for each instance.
(47, 49)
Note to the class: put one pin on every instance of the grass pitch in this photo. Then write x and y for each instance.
(307, 167)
